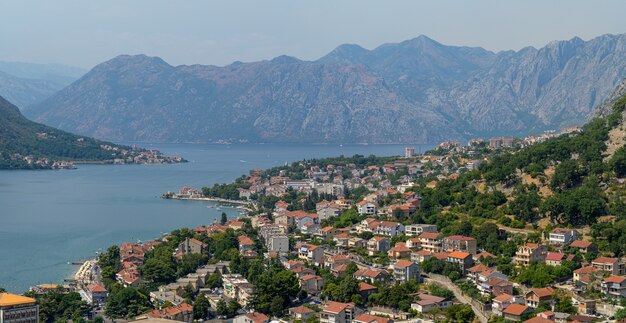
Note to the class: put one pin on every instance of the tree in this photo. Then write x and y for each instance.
(276, 281)
(213, 281)
(201, 308)
(276, 307)
(126, 302)
(224, 218)
(221, 308)
(98, 319)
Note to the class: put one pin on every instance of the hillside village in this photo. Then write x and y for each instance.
(457, 234)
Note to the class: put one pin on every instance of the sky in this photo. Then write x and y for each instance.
(85, 33)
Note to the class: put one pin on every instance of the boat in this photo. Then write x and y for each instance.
(218, 208)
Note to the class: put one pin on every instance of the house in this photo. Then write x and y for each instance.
(399, 251)
(341, 240)
(404, 270)
(584, 246)
(420, 256)
(614, 286)
(16, 308)
(367, 318)
(430, 241)
(254, 317)
(128, 277)
(473, 272)
(554, 258)
(301, 313)
(609, 265)
(413, 243)
(245, 243)
(585, 275)
(388, 228)
(327, 210)
(312, 253)
(356, 243)
(312, 284)
(333, 261)
(562, 236)
(514, 312)
(327, 232)
(237, 287)
(302, 271)
(96, 293)
(501, 302)
(427, 303)
(417, 229)
(159, 298)
(365, 290)
(367, 207)
(377, 245)
(281, 206)
(539, 319)
(459, 243)
(538, 295)
(309, 228)
(372, 275)
(495, 286)
(530, 252)
(335, 312)
(277, 243)
(463, 259)
(182, 312)
(190, 246)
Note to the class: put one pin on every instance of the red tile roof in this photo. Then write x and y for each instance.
(515, 309)
(615, 279)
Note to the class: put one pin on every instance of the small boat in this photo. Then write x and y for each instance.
(218, 208)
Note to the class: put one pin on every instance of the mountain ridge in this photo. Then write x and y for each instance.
(416, 91)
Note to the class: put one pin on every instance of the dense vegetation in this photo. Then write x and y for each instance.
(19, 135)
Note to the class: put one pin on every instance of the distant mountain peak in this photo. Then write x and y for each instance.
(285, 59)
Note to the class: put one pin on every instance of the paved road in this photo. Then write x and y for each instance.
(459, 295)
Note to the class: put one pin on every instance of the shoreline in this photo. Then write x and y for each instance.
(211, 199)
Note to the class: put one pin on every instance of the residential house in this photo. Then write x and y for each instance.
(377, 245)
(427, 303)
(372, 275)
(583, 276)
(367, 207)
(388, 228)
(530, 252)
(254, 317)
(420, 256)
(182, 313)
(473, 272)
(96, 293)
(514, 312)
(301, 313)
(312, 253)
(404, 270)
(303, 271)
(312, 284)
(277, 243)
(463, 259)
(613, 266)
(367, 318)
(159, 298)
(335, 312)
(327, 210)
(365, 290)
(356, 243)
(399, 251)
(554, 258)
(538, 295)
(333, 261)
(341, 240)
(459, 243)
(413, 243)
(245, 243)
(430, 241)
(417, 229)
(495, 286)
(190, 246)
(237, 287)
(327, 232)
(562, 236)
(584, 246)
(501, 302)
(614, 286)
(310, 228)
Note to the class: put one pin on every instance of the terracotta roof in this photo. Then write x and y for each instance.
(543, 292)
(427, 299)
(605, 260)
(423, 252)
(615, 279)
(367, 318)
(310, 276)
(245, 241)
(429, 235)
(96, 288)
(586, 270)
(403, 263)
(301, 310)
(581, 244)
(515, 309)
(459, 255)
(554, 256)
(257, 317)
(478, 268)
(365, 286)
(8, 299)
(336, 307)
(503, 297)
(441, 255)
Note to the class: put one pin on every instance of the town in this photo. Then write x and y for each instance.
(360, 239)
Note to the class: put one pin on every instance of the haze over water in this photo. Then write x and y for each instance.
(50, 218)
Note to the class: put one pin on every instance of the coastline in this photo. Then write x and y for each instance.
(211, 199)
(84, 273)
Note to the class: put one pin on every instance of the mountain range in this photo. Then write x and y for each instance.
(25, 84)
(416, 91)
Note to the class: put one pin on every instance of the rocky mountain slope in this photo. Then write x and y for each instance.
(26, 84)
(415, 91)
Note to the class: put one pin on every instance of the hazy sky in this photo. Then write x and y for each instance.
(84, 33)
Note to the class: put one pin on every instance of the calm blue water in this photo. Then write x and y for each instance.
(50, 218)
